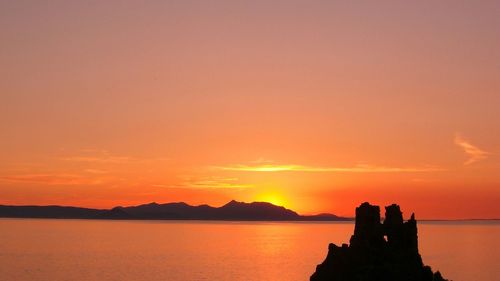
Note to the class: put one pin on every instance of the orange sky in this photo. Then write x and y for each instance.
(318, 106)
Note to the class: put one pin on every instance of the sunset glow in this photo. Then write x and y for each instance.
(274, 198)
(314, 106)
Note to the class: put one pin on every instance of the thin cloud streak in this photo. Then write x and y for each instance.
(103, 159)
(51, 179)
(96, 171)
(210, 183)
(104, 156)
(302, 168)
(475, 154)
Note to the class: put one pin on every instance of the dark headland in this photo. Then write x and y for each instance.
(378, 251)
(255, 211)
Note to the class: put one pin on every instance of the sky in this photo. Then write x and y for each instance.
(314, 105)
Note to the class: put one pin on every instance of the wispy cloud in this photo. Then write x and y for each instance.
(212, 182)
(303, 168)
(475, 154)
(51, 179)
(104, 156)
(96, 171)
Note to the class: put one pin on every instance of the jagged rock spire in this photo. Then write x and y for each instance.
(385, 251)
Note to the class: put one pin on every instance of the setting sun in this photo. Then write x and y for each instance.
(273, 198)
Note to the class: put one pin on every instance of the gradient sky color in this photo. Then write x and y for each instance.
(315, 105)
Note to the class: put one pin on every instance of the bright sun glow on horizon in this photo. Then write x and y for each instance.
(273, 198)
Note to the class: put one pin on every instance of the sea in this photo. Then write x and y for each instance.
(78, 250)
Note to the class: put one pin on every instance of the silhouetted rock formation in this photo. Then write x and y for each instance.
(385, 252)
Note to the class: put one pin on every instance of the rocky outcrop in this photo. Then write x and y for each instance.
(385, 251)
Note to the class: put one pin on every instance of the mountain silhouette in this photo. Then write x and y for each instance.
(57, 212)
(233, 210)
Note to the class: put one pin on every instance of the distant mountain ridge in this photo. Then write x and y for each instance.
(233, 210)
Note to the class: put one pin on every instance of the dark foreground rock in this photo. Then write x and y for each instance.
(385, 251)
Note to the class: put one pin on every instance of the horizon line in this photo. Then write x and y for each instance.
(350, 218)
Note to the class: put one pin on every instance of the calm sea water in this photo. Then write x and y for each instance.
(77, 250)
